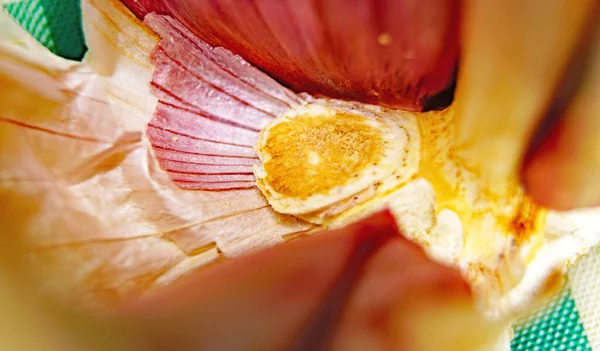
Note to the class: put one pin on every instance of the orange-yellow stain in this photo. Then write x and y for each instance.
(434, 130)
(311, 155)
(437, 151)
(525, 220)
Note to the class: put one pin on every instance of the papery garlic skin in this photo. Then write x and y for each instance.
(99, 222)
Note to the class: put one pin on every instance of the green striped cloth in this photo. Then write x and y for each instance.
(556, 327)
(54, 23)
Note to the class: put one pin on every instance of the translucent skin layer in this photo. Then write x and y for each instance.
(391, 53)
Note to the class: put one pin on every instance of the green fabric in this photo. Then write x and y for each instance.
(57, 25)
(556, 327)
(54, 23)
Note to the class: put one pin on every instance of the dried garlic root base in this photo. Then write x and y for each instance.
(318, 160)
(333, 162)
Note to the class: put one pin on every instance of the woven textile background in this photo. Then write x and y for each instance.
(571, 322)
(54, 23)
